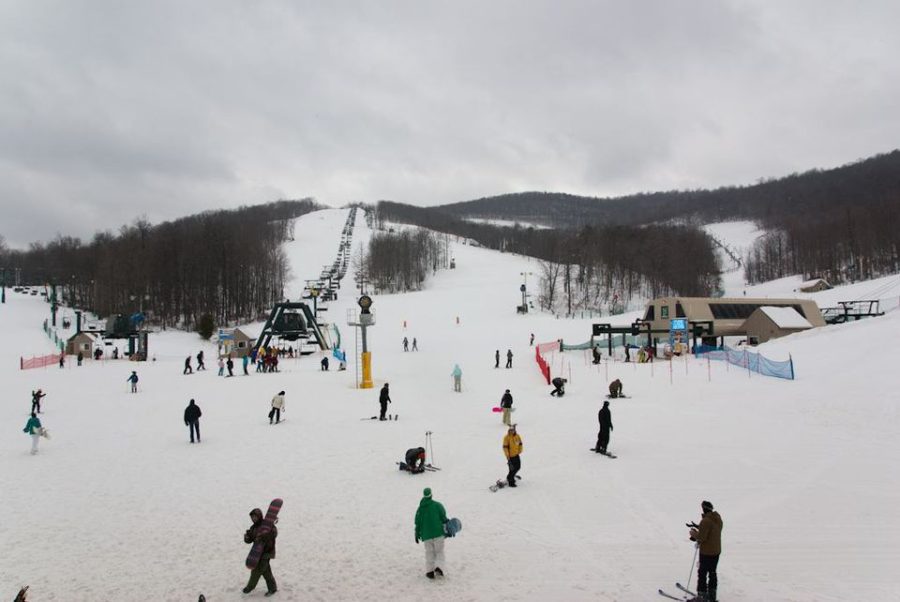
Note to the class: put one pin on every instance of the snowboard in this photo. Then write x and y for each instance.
(501, 483)
(268, 522)
(452, 527)
(498, 409)
(617, 397)
(607, 454)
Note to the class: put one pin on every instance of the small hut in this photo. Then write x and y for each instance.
(84, 342)
(235, 343)
(814, 286)
(768, 323)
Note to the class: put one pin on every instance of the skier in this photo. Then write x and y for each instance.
(200, 364)
(597, 355)
(33, 427)
(277, 408)
(246, 362)
(405, 344)
(384, 398)
(605, 418)
(457, 378)
(36, 397)
(506, 405)
(497, 359)
(708, 535)
(80, 357)
(192, 415)
(415, 346)
(615, 389)
(263, 568)
(560, 384)
(509, 358)
(512, 448)
(133, 379)
(230, 365)
(187, 366)
(531, 340)
(221, 366)
(325, 363)
(430, 519)
(415, 460)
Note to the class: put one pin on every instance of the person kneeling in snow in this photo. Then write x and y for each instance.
(560, 384)
(415, 460)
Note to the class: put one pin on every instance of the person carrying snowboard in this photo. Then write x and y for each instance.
(512, 449)
(263, 568)
(457, 378)
(36, 397)
(415, 460)
(192, 415)
(384, 398)
(133, 379)
(200, 364)
(187, 366)
(605, 418)
(509, 357)
(277, 408)
(429, 522)
(506, 406)
(615, 389)
(33, 427)
(708, 535)
(560, 387)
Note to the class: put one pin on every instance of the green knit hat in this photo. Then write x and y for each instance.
(427, 492)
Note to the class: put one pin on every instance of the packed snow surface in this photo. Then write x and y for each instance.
(119, 506)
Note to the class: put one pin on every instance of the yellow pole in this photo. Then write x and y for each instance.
(366, 370)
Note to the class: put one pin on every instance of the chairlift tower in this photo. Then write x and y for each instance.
(363, 320)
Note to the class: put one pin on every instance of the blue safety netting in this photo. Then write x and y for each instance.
(753, 362)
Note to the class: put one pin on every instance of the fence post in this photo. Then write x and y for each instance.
(670, 370)
(791, 360)
(709, 370)
(747, 360)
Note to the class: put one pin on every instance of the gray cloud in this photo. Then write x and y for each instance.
(109, 111)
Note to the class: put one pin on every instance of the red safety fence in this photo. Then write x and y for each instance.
(39, 362)
(541, 362)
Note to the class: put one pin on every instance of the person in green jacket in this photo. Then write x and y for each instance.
(457, 378)
(430, 519)
(33, 428)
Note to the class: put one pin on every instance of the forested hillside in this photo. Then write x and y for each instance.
(227, 264)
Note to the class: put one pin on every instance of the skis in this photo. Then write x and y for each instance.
(607, 454)
(389, 417)
(430, 467)
(681, 598)
(405, 467)
(685, 590)
(671, 597)
(268, 522)
(617, 397)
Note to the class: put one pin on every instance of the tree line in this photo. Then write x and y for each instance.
(225, 264)
(400, 262)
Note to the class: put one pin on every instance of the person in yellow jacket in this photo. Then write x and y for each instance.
(512, 448)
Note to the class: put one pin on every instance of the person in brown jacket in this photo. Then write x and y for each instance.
(708, 535)
(263, 568)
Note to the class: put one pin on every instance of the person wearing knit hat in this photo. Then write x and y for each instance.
(512, 449)
(708, 535)
(429, 523)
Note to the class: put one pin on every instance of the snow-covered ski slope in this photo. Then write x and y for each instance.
(118, 505)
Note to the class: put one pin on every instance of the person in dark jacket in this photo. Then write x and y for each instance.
(708, 535)
(605, 418)
(187, 366)
(597, 355)
(615, 389)
(263, 568)
(384, 398)
(230, 365)
(200, 364)
(497, 359)
(627, 354)
(560, 387)
(509, 357)
(324, 363)
(192, 415)
(506, 406)
(430, 519)
(36, 397)
(415, 460)
(133, 379)
(80, 357)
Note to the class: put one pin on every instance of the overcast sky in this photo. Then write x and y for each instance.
(113, 110)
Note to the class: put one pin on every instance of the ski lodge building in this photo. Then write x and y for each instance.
(725, 316)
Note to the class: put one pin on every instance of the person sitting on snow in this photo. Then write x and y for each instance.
(415, 460)
(615, 388)
(560, 384)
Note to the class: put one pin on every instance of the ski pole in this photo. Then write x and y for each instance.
(696, 549)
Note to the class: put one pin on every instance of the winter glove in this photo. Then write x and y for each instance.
(417, 539)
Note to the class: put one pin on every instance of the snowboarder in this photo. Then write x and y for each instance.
(506, 405)
(597, 355)
(512, 448)
(200, 364)
(325, 363)
(615, 388)
(457, 378)
(80, 357)
(221, 366)
(187, 366)
(531, 340)
(430, 519)
(560, 384)
(414, 460)
(192, 415)
(708, 535)
(246, 362)
(33, 427)
(384, 398)
(277, 408)
(230, 365)
(133, 379)
(36, 397)
(509, 358)
(405, 344)
(497, 359)
(605, 418)
(263, 568)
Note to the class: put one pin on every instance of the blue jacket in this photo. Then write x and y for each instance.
(33, 423)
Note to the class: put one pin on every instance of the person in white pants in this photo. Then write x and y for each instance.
(430, 519)
(33, 428)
